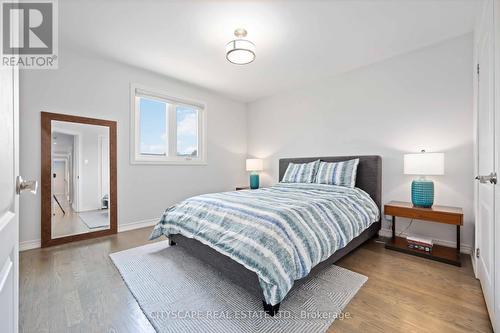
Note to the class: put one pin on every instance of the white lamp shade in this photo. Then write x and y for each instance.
(426, 164)
(254, 164)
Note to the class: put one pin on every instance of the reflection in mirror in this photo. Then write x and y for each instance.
(80, 191)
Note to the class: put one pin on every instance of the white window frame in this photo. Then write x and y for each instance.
(137, 90)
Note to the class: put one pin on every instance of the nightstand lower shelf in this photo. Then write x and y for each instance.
(440, 253)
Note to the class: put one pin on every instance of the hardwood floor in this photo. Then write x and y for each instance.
(69, 223)
(405, 293)
(75, 288)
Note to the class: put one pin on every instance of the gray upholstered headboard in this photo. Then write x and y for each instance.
(368, 178)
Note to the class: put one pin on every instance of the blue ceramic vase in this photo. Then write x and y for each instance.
(422, 193)
(254, 181)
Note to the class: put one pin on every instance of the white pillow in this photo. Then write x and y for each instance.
(338, 173)
(300, 172)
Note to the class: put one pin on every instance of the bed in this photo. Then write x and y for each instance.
(270, 240)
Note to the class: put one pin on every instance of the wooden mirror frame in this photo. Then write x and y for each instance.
(46, 180)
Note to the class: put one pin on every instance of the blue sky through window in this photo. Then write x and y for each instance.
(187, 131)
(153, 124)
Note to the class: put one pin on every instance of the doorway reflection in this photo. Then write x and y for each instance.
(79, 178)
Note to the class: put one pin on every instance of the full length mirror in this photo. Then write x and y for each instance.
(79, 160)
(80, 178)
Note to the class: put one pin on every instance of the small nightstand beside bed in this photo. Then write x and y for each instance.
(437, 214)
(269, 240)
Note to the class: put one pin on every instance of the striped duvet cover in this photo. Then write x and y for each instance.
(280, 232)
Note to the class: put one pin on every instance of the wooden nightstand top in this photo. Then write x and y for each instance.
(440, 214)
(239, 188)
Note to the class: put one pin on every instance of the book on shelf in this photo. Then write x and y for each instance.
(419, 243)
(420, 247)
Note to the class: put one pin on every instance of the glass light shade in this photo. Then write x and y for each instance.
(425, 164)
(240, 51)
(254, 164)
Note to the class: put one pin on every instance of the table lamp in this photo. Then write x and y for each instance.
(423, 164)
(254, 165)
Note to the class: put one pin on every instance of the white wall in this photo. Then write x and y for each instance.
(421, 100)
(418, 100)
(90, 166)
(88, 86)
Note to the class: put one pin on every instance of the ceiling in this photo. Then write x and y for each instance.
(62, 143)
(297, 41)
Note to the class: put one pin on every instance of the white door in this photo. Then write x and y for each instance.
(485, 224)
(58, 177)
(9, 240)
(496, 36)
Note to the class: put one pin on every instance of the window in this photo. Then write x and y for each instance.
(152, 127)
(166, 130)
(187, 131)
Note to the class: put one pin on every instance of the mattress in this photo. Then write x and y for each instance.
(280, 232)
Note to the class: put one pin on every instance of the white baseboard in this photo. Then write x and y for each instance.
(138, 224)
(464, 248)
(473, 261)
(37, 243)
(29, 245)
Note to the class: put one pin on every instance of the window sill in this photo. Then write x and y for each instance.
(171, 162)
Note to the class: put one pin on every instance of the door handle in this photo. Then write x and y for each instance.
(491, 178)
(26, 185)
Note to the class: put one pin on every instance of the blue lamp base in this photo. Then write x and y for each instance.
(422, 193)
(254, 181)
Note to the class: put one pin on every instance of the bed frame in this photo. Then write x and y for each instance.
(368, 178)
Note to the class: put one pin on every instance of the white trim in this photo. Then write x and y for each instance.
(464, 248)
(496, 237)
(163, 95)
(16, 88)
(479, 33)
(473, 261)
(36, 243)
(29, 245)
(138, 224)
(77, 168)
(77, 158)
(99, 170)
(102, 142)
(171, 142)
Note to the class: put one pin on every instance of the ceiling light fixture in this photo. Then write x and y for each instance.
(240, 51)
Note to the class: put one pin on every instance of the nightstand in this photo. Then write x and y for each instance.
(239, 188)
(438, 214)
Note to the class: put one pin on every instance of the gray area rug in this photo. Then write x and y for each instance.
(95, 218)
(179, 293)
